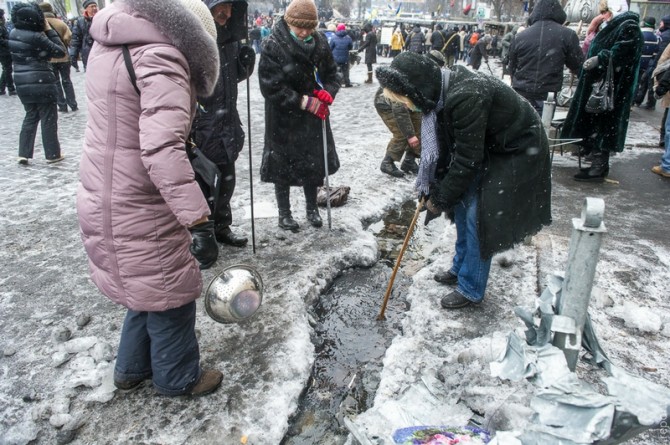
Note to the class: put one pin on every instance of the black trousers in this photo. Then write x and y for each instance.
(47, 114)
(6, 79)
(344, 67)
(222, 214)
(64, 84)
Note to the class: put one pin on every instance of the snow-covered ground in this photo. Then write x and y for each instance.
(59, 334)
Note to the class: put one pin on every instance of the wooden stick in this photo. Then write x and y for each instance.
(410, 230)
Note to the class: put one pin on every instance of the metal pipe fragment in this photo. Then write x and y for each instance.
(585, 242)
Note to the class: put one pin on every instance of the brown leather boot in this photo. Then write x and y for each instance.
(369, 79)
(210, 380)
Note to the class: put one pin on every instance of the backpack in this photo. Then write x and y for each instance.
(474, 38)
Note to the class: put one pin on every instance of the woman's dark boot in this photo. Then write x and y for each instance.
(310, 204)
(599, 169)
(286, 221)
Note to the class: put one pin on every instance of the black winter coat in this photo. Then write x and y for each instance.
(478, 53)
(487, 129)
(293, 150)
(4, 41)
(217, 129)
(81, 42)
(538, 54)
(621, 40)
(33, 76)
(437, 40)
(370, 47)
(415, 41)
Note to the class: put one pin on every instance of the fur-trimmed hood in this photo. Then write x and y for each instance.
(137, 22)
(28, 16)
(414, 76)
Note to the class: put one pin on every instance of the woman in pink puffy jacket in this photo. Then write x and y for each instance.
(142, 216)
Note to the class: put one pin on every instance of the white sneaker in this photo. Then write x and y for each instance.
(22, 160)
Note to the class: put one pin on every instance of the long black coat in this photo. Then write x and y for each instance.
(293, 150)
(478, 53)
(370, 47)
(487, 129)
(31, 50)
(217, 129)
(621, 40)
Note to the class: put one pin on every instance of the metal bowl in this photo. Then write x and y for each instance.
(234, 295)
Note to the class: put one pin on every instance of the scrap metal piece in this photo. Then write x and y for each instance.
(582, 260)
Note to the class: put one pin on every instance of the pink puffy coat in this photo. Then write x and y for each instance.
(137, 194)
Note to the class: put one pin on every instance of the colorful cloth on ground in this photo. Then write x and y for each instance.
(440, 435)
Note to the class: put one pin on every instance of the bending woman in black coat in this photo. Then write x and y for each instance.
(298, 78)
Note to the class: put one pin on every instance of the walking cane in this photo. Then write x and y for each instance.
(251, 179)
(410, 230)
(325, 163)
(489, 67)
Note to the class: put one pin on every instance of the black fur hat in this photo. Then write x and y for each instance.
(28, 16)
(414, 76)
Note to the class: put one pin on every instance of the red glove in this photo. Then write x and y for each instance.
(316, 107)
(324, 96)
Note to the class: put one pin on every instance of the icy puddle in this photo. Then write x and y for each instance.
(350, 343)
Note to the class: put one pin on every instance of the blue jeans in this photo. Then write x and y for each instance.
(665, 160)
(468, 265)
(161, 345)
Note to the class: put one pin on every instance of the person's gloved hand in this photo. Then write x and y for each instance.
(246, 56)
(432, 212)
(315, 106)
(661, 90)
(324, 96)
(204, 247)
(591, 63)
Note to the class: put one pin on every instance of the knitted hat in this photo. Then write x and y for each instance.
(341, 27)
(88, 3)
(302, 14)
(46, 7)
(200, 10)
(666, 20)
(437, 57)
(415, 76)
(649, 22)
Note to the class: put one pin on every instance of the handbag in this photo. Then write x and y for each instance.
(207, 174)
(337, 196)
(601, 99)
(565, 96)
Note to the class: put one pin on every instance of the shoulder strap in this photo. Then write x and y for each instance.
(129, 67)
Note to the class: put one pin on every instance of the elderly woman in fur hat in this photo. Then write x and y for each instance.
(298, 78)
(484, 161)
